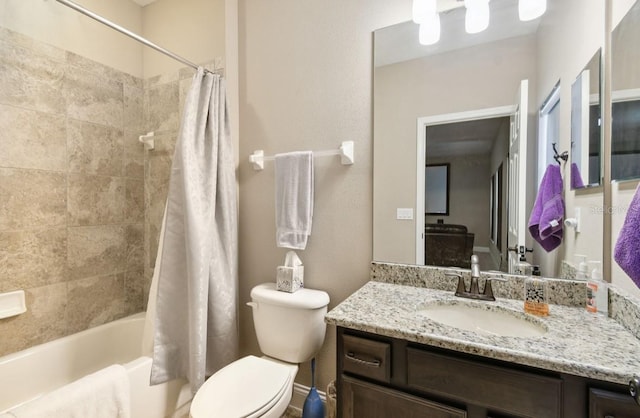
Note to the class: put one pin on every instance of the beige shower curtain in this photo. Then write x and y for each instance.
(195, 329)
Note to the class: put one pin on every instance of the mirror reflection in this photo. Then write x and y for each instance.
(625, 96)
(465, 80)
(585, 126)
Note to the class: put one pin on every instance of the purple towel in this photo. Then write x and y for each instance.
(545, 223)
(627, 251)
(576, 177)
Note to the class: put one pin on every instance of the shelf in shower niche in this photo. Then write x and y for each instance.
(12, 304)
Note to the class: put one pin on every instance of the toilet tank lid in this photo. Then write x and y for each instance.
(302, 299)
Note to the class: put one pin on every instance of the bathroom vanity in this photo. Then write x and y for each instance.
(393, 359)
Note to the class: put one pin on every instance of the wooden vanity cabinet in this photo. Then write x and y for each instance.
(387, 377)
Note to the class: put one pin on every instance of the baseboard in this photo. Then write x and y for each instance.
(300, 393)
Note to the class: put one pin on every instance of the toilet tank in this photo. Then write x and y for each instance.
(289, 326)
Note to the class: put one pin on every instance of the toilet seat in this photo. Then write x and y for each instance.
(246, 388)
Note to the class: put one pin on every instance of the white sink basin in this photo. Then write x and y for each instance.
(489, 320)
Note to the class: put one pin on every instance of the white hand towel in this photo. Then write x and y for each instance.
(294, 198)
(103, 394)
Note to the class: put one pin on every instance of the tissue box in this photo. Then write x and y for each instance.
(290, 279)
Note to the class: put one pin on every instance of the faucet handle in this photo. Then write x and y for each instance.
(488, 289)
(460, 289)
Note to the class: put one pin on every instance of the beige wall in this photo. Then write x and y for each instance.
(60, 26)
(193, 29)
(305, 83)
(457, 81)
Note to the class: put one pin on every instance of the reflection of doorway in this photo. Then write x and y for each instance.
(475, 145)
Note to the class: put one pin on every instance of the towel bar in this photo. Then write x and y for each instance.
(346, 153)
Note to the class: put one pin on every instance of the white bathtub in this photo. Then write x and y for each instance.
(30, 373)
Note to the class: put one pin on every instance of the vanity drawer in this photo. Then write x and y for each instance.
(367, 358)
(499, 389)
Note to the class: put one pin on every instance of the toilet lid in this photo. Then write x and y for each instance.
(241, 389)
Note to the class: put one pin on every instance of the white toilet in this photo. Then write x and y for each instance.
(290, 329)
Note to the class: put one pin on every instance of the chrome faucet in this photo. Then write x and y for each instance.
(474, 292)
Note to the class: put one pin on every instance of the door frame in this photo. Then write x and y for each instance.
(421, 157)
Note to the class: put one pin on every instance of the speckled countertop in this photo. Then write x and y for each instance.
(576, 342)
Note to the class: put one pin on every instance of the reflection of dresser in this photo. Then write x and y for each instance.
(448, 245)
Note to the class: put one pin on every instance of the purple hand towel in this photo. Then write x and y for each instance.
(545, 223)
(576, 177)
(627, 251)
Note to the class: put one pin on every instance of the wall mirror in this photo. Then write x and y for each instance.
(585, 126)
(476, 80)
(625, 97)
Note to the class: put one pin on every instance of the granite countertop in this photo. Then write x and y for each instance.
(577, 342)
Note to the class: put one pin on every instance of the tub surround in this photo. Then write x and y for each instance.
(577, 342)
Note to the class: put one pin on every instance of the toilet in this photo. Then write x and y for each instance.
(290, 329)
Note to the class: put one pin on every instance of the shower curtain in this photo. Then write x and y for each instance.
(195, 324)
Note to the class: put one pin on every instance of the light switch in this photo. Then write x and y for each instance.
(404, 213)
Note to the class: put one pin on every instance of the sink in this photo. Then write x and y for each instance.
(487, 320)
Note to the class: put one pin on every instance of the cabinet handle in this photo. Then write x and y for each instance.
(369, 363)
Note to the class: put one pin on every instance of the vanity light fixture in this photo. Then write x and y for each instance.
(425, 13)
(477, 16)
(429, 32)
(531, 9)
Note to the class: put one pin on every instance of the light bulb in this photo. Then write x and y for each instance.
(423, 9)
(477, 17)
(430, 30)
(531, 9)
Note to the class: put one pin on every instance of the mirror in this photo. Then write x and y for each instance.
(468, 74)
(585, 126)
(625, 97)
(625, 129)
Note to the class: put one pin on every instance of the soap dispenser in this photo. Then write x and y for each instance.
(597, 291)
(582, 272)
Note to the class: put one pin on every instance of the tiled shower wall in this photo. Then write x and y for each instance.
(78, 225)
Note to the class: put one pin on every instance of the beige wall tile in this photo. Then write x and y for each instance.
(135, 246)
(91, 98)
(95, 200)
(43, 321)
(96, 250)
(31, 259)
(95, 149)
(134, 290)
(161, 107)
(26, 144)
(31, 81)
(134, 108)
(31, 199)
(17, 39)
(94, 301)
(133, 154)
(134, 209)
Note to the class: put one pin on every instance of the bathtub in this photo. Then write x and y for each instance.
(30, 373)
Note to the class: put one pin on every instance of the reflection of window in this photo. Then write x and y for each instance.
(549, 130)
(625, 140)
(437, 189)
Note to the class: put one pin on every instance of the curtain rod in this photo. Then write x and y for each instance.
(127, 32)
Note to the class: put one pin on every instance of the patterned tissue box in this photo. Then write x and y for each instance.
(290, 279)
